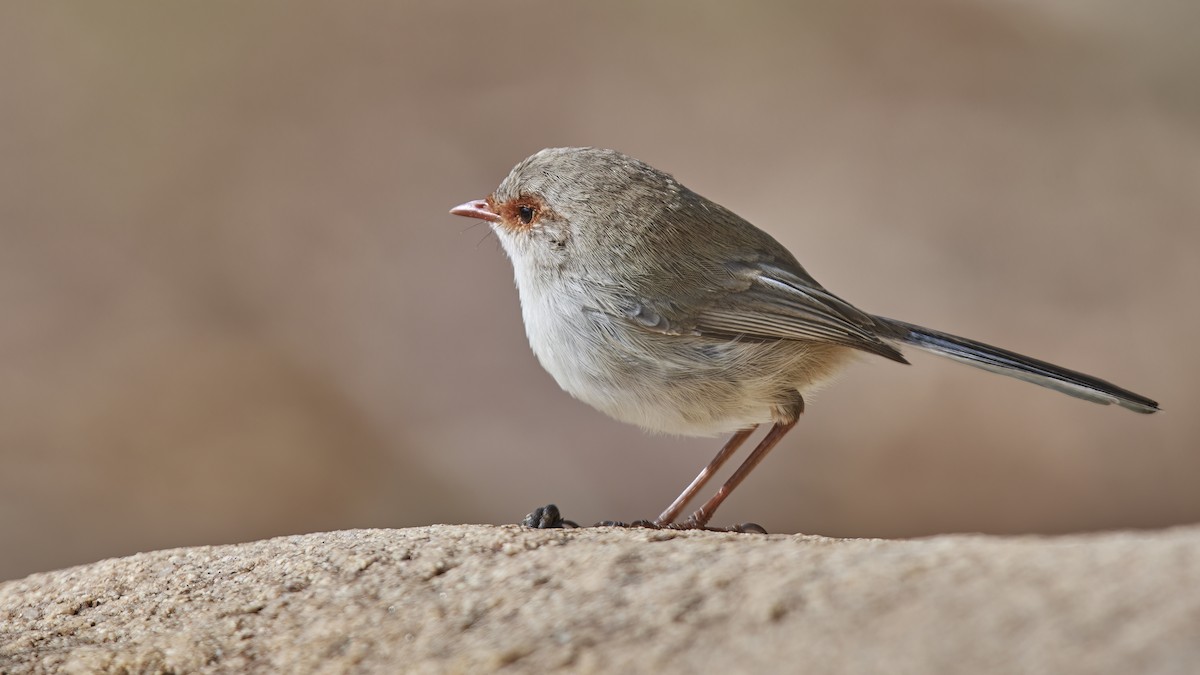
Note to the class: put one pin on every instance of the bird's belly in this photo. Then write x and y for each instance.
(675, 384)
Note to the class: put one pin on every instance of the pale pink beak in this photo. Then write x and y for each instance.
(476, 209)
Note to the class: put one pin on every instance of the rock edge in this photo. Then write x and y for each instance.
(479, 598)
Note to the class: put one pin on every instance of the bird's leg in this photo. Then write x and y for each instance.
(703, 514)
(707, 473)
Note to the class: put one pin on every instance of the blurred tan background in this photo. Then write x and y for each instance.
(234, 305)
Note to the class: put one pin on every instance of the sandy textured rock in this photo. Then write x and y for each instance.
(479, 598)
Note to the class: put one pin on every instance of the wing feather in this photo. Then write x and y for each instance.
(766, 302)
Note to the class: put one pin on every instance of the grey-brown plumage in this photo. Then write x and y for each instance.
(666, 310)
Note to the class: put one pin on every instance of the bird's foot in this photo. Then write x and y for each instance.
(743, 528)
(549, 517)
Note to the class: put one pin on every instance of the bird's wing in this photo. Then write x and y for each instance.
(762, 301)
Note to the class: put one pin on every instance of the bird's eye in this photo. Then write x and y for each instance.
(526, 213)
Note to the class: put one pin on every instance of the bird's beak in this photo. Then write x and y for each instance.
(476, 209)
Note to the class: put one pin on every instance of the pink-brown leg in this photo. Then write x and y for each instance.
(704, 476)
(705, 513)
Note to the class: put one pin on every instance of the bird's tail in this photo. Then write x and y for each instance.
(1008, 363)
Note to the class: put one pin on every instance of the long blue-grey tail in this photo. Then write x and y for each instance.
(1008, 363)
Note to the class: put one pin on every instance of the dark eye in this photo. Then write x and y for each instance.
(526, 213)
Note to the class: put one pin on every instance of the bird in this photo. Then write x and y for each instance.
(664, 309)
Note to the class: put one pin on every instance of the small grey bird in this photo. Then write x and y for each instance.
(661, 308)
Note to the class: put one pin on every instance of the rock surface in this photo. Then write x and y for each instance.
(480, 598)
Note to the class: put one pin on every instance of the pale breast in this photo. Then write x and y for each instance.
(674, 384)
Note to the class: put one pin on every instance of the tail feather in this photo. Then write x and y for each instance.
(1025, 368)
